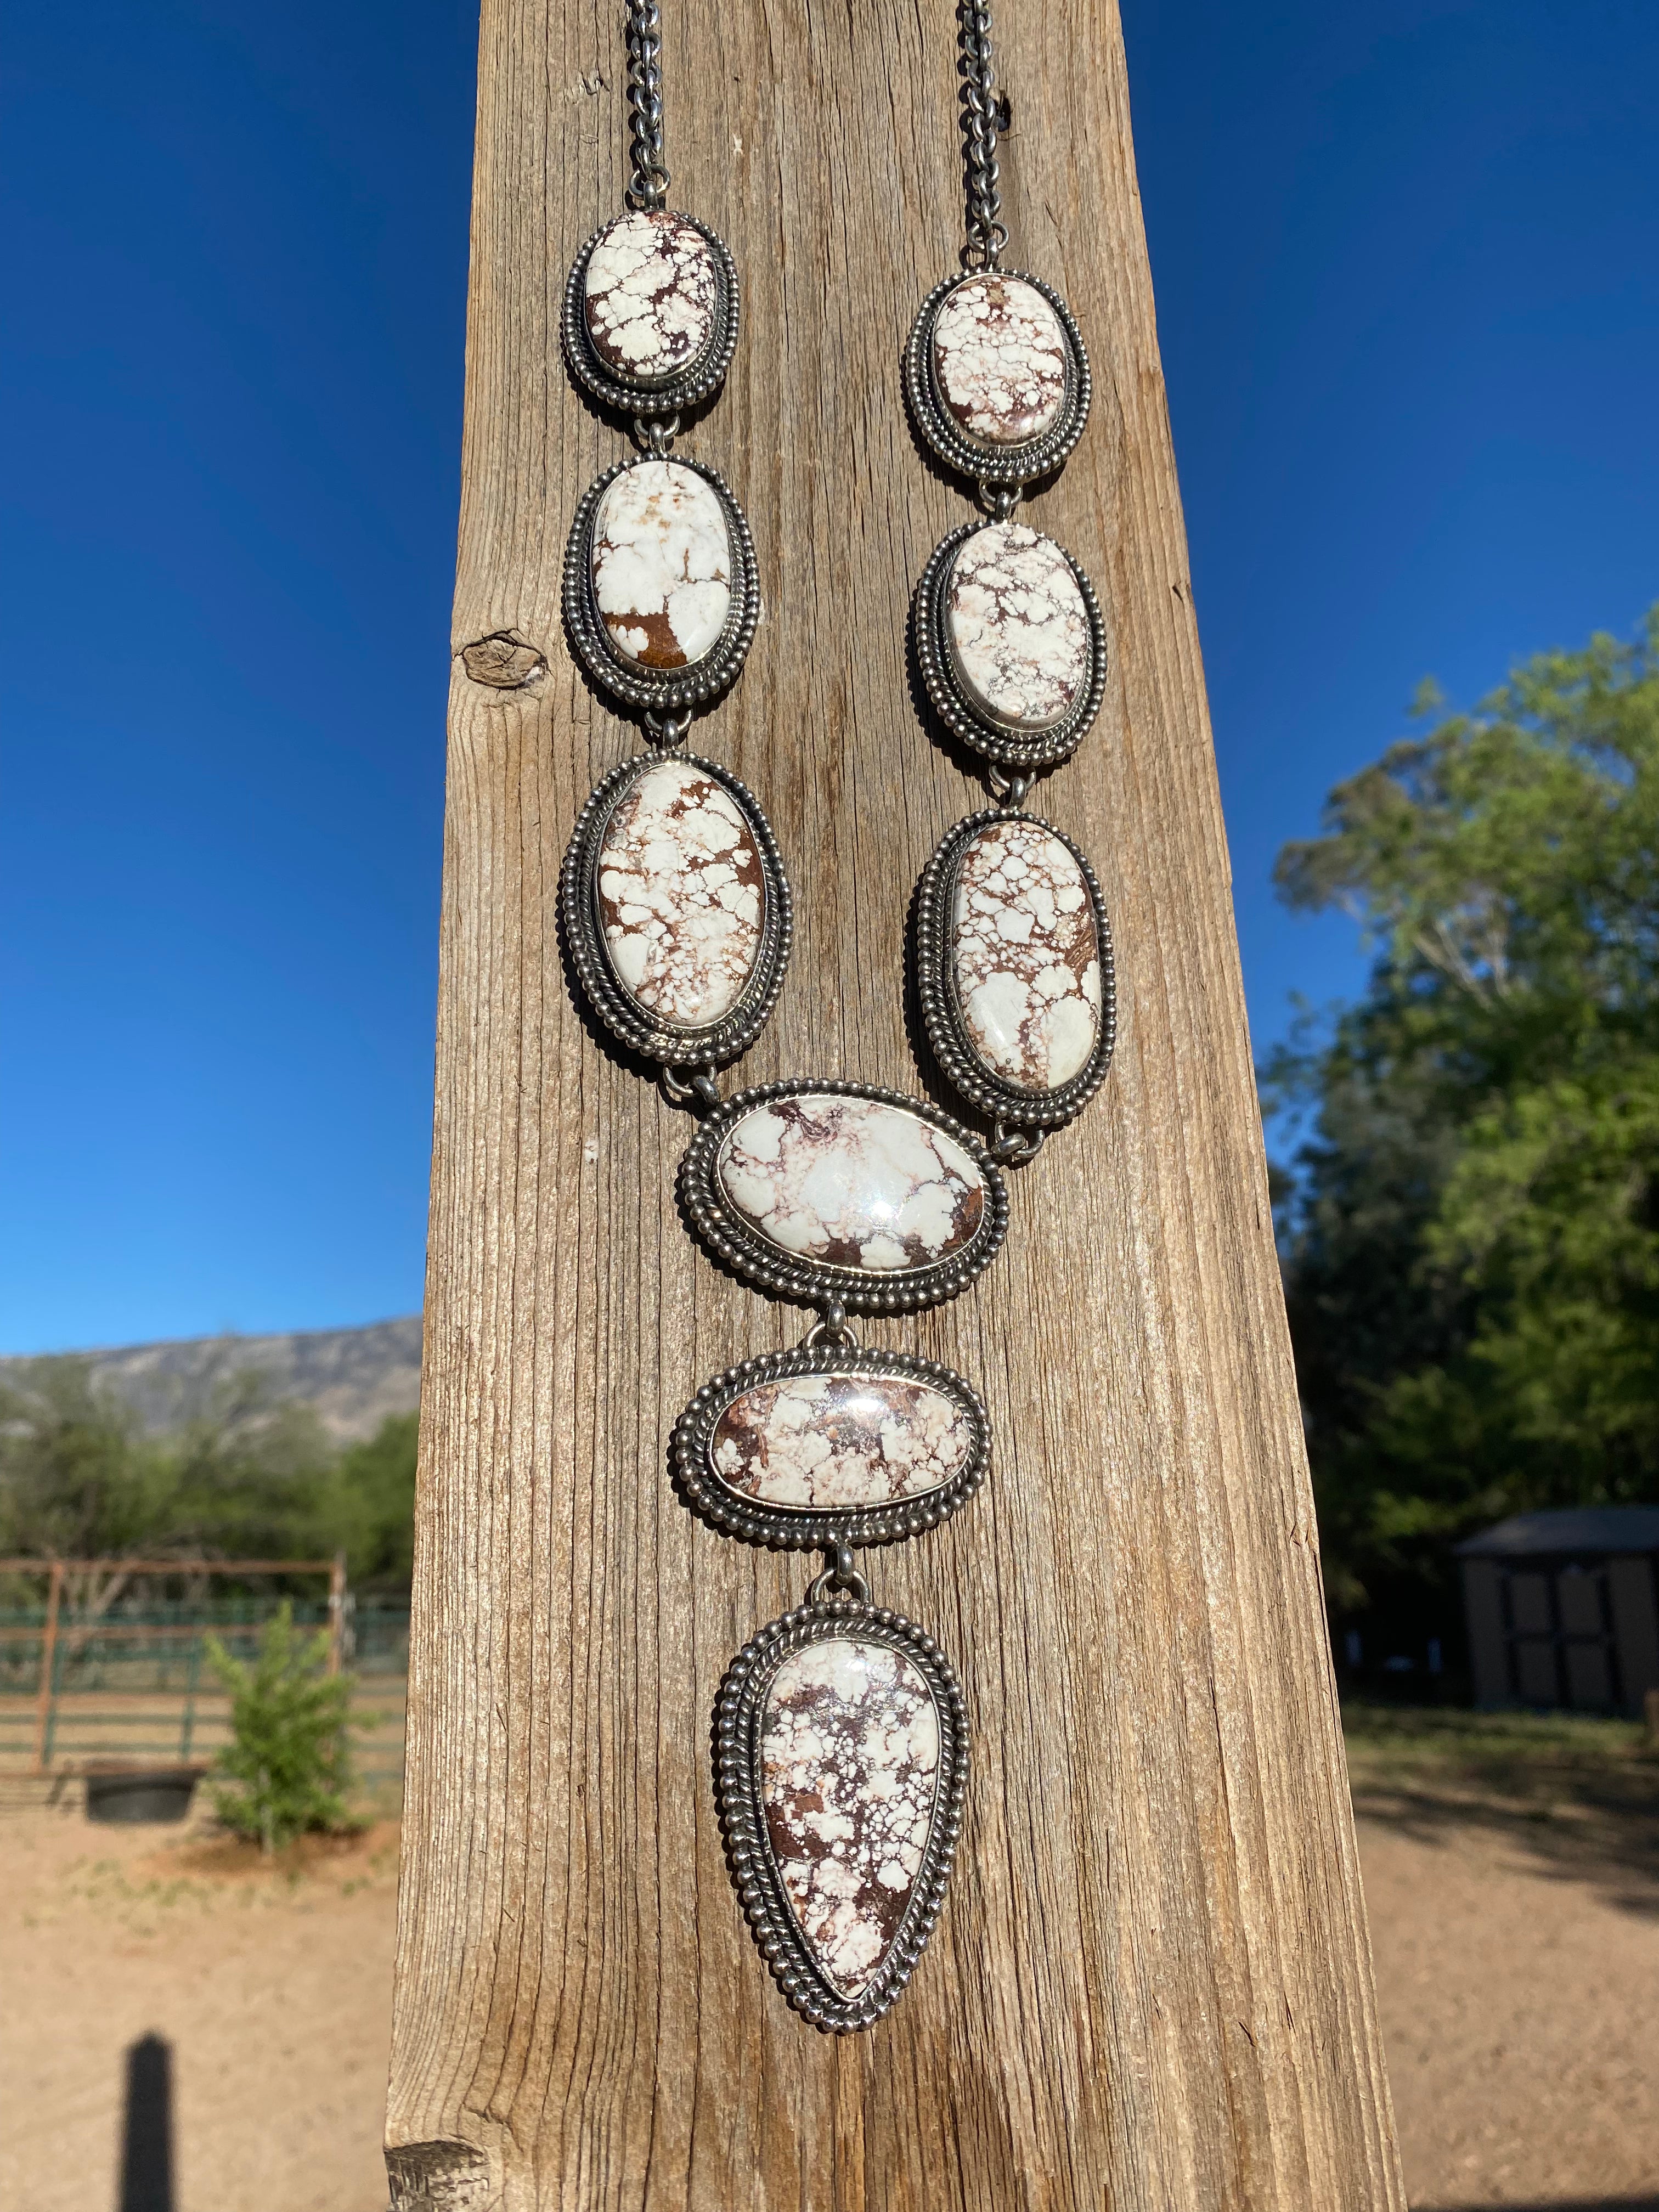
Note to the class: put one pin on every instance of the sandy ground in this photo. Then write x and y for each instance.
(274, 1994)
(1518, 1966)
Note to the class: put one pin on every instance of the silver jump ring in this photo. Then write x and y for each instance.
(833, 1328)
(701, 1089)
(667, 729)
(839, 1575)
(656, 433)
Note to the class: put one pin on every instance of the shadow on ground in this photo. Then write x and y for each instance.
(146, 2184)
(1556, 2204)
(1579, 1799)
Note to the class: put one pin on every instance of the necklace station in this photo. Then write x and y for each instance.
(841, 1737)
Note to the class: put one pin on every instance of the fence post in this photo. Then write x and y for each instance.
(48, 1689)
(337, 1612)
(1151, 1986)
(193, 1680)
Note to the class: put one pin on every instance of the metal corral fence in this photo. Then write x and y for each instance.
(106, 1668)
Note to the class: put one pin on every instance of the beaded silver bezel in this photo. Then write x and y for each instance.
(812, 1282)
(995, 740)
(739, 1717)
(663, 690)
(947, 1032)
(653, 396)
(995, 464)
(793, 1529)
(630, 1023)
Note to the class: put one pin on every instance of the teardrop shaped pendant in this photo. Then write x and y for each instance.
(841, 1762)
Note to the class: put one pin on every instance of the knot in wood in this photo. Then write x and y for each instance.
(502, 660)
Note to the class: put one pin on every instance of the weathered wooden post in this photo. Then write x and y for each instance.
(1151, 1986)
(47, 1690)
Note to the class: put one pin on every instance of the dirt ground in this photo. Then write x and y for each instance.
(1517, 1957)
(273, 1994)
(1519, 1997)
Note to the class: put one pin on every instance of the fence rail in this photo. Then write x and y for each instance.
(80, 1688)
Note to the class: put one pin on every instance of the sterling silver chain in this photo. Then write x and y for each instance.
(649, 185)
(982, 116)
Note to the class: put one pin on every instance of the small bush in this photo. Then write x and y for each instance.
(288, 1766)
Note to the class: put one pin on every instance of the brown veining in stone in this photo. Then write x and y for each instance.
(650, 295)
(820, 1441)
(662, 564)
(1016, 626)
(1025, 955)
(999, 360)
(852, 1183)
(849, 1761)
(681, 894)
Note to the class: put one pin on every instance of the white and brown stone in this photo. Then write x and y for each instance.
(650, 295)
(1025, 950)
(852, 1183)
(1016, 628)
(681, 894)
(662, 565)
(849, 1767)
(999, 360)
(823, 1442)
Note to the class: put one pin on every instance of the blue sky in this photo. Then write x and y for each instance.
(1408, 285)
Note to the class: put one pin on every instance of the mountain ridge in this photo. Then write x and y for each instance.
(352, 1378)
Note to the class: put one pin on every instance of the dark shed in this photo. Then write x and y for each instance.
(1563, 1608)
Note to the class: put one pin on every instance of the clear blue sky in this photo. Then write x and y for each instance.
(1407, 265)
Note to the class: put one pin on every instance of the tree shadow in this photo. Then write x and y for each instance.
(1557, 2205)
(1593, 1820)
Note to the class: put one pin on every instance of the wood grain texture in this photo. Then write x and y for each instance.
(1150, 1987)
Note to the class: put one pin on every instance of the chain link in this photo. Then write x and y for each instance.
(1015, 1148)
(649, 185)
(982, 116)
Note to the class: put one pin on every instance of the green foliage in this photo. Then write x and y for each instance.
(241, 1474)
(74, 1476)
(1472, 1238)
(238, 1475)
(286, 1771)
(368, 1508)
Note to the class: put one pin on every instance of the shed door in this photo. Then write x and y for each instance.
(1559, 1628)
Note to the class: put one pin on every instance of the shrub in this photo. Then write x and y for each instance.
(288, 1766)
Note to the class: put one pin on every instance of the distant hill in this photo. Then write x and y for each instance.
(354, 1377)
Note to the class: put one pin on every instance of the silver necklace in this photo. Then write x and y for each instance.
(841, 1731)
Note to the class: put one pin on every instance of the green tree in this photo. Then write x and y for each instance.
(1472, 1237)
(75, 1477)
(367, 1509)
(286, 1771)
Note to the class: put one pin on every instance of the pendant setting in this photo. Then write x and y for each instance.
(1021, 1019)
(829, 1192)
(997, 376)
(841, 1743)
(661, 589)
(1010, 642)
(657, 944)
(829, 1445)
(669, 339)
